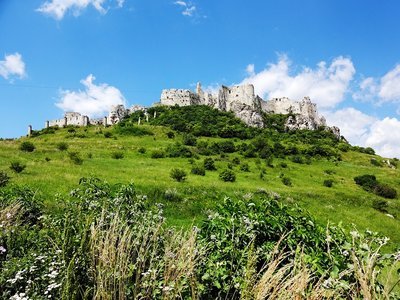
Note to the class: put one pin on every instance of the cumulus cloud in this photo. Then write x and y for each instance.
(326, 84)
(12, 66)
(188, 8)
(58, 8)
(94, 100)
(385, 89)
(383, 135)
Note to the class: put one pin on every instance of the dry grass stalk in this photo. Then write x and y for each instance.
(10, 214)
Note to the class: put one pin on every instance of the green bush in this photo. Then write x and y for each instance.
(17, 167)
(62, 146)
(297, 159)
(329, 172)
(142, 150)
(117, 155)
(178, 150)
(27, 146)
(245, 167)
(380, 204)
(75, 158)
(328, 182)
(189, 139)
(236, 160)
(170, 134)
(157, 154)
(172, 195)
(283, 165)
(227, 175)
(4, 179)
(108, 134)
(367, 182)
(385, 191)
(178, 175)
(287, 181)
(376, 162)
(209, 164)
(198, 170)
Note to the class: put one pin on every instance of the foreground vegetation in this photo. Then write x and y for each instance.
(218, 210)
(110, 242)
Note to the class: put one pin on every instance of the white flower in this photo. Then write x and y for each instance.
(2, 250)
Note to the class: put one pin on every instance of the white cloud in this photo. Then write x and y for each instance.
(325, 84)
(12, 65)
(94, 101)
(363, 130)
(188, 8)
(58, 8)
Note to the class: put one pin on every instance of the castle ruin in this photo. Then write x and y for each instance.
(242, 101)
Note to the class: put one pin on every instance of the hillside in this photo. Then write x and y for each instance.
(222, 159)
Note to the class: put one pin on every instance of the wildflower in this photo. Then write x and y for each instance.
(2, 250)
(354, 234)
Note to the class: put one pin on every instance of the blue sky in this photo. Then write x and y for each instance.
(85, 55)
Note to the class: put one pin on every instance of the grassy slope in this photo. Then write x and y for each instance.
(344, 202)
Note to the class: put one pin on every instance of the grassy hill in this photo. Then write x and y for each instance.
(51, 171)
(233, 177)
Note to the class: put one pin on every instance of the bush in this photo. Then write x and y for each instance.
(328, 182)
(17, 167)
(27, 146)
(172, 195)
(189, 139)
(179, 150)
(385, 191)
(170, 134)
(198, 170)
(297, 159)
(227, 176)
(142, 150)
(62, 146)
(283, 165)
(236, 160)
(245, 167)
(329, 172)
(117, 155)
(4, 179)
(380, 204)
(75, 158)
(376, 162)
(178, 175)
(209, 164)
(368, 182)
(158, 154)
(107, 134)
(287, 181)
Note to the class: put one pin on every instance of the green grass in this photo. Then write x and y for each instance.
(344, 202)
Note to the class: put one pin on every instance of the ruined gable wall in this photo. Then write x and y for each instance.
(179, 97)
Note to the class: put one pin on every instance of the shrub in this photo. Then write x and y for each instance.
(368, 182)
(170, 134)
(90, 155)
(172, 195)
(297, 159)
(209, 164)
(189, 139)
(380, 204)
(236, 160)
(369, 150)
(227, 175)
(158, 154)
(62, 146)
(329, 172)
(245, 167)
(344, 147)
(71, 130)
(178, 174)
(287, 181)
(328, 182)
(142, 150)
(47, 159)
(4, 179)
(179, 150)
(27, 146)
(107, 134)
(385, 191)
(376, 162)
(283, 165)
(75, 158)
(17, 167)
(117, 155)
(198, 170)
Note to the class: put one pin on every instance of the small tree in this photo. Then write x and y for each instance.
(209, 164)
(27, 146)
(178, 175)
